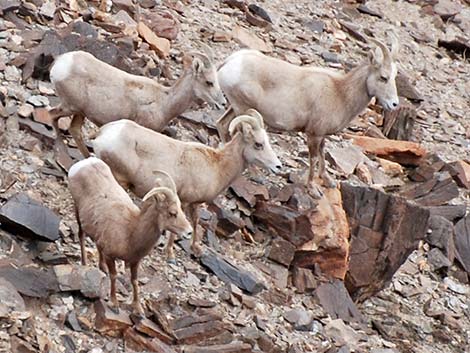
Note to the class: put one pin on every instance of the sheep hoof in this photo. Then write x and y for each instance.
(315, 192)
(114, 309)
(329, 182)
(138, 314)
(197, 251)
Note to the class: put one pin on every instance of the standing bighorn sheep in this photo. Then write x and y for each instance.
(106, 213)
(200, 172)
(317, 101)
(88, 87)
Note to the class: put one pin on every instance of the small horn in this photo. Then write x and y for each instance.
(164, 179)
(243, 119)
(164, 190)
(203, 57)
(208, 51)
(255, 114)
(395, 44)
(383, 47)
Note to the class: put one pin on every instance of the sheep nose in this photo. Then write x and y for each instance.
(395, 104)
(278, 168)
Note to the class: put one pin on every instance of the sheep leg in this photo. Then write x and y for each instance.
(196, 246)
(169, 250)
(313, 143)
(55, 114)
(223, 123)
(327, 179)
(112, 275)
(76, 132)
(81, 237)
(135, 287)
(102, 262)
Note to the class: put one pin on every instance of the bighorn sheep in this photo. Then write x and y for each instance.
(88, 87)
(200, 172)
(106, 213)
(317, 101)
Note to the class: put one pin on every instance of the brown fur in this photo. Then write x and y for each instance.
(200, 172)
(120, 230)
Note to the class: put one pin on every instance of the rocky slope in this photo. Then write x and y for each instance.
(248, 293)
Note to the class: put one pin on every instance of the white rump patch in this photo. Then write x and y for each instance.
(61, 68)
(83, 164)
(109, 137)
(229, 74)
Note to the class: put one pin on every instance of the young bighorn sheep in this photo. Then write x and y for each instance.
(317, 101)
(200, 172)
(88, 87)
(121, 230)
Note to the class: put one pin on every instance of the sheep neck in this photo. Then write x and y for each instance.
(354, 90)
(146, 231)
(231, 162)
(178, 97)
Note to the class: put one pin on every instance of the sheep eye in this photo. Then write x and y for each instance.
(210, 83)
(173, 214)
(383, 79)
(258, 146)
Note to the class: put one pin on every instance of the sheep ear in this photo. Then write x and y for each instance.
(376, 57)
(247, 131)
(198, 65)
(161, 197)
(187, 61)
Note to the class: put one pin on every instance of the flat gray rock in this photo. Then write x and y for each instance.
(24, 216)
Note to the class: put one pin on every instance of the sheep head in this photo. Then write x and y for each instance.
(381, 80)
(257, 148)
(206, 85)
(165, 199)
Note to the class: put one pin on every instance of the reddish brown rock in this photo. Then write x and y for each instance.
(329, 249)
(434, 192)
(151, 329)
(317, 228)
(267, 345)
(136, 342)
(249, 191)
(163, 24)
(403, 152)
(460, 170)
(282, 251)
(303, 279)
(428, 166)
(385, 229)
(108, 322)
(160, 45)
(195, 328)
(220, 36)
(390, 168)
